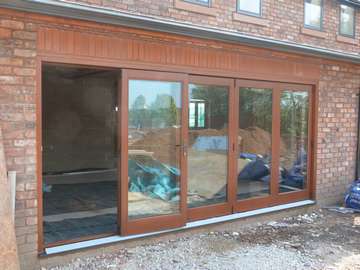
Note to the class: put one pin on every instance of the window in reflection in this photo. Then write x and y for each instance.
(208, 145)
(154, 134)
(294, 135)
(254, 143)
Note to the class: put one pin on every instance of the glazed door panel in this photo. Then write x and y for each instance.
(256, 144)
(153, 187)
(209, 147)
(273, 143)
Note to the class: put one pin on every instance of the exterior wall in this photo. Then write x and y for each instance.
(337, 119)
(337, 130)
(17, 119)
(281, 20)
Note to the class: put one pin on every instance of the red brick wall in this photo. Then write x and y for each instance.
(337, 130)
(17, 119)
(339, 84)
(285, 19)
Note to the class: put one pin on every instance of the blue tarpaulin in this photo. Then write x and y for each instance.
(153, 178)
(204, 143)
(352, 197)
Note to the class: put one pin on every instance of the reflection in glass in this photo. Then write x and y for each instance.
(294, 136)
(313, 10)
(347, 20)
(79, 134)
(208, 145)
(254, 142)
(153, 137)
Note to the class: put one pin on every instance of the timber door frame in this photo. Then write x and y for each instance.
(41, 62)
(219, 209)
(162, 222)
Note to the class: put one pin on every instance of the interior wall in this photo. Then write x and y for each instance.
(78, 120)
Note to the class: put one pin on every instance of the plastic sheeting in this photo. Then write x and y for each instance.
(153, 178)
(352, 197)
(204, 143)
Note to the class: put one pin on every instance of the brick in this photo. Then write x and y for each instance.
(27, 248)
(24, 53)
(12, 24)
(31, 203)
(31, 221)
(23, 195)
(5, 33)
(31, 186)
(10, 80)
(11, 61)
(5, 70)
(24, 71)
(24, 35)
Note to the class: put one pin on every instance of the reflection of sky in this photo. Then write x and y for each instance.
(151, 89)
(313, 13)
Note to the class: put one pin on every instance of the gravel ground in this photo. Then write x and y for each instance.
(322, 240)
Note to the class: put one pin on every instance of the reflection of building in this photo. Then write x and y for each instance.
(276, 103)
(197, 113)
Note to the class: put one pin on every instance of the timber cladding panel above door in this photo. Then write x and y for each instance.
(141, 51)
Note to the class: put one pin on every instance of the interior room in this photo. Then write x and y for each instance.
(79, 133)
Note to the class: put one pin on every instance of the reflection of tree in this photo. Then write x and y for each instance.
(255, 108)
(294, 114)
(137, 113)
(294, 123)
(162, 112)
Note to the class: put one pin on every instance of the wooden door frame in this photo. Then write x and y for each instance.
(276, 198)
(262, 201)
(153, 223)
(39, 159)
(85, 61)
(218, 209)
(307, 191)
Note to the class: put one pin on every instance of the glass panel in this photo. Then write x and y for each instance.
(154, 136)
(294, 140)
(208, 146)
(79, 152)
(250, 6)
(313, 10)
(347, 20)
(254, 142)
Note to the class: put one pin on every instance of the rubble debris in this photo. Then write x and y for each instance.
(321, 240)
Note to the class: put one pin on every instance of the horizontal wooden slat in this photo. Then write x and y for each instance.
(132, 48)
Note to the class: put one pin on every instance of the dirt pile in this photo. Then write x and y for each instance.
(162, 141)
(256, 140)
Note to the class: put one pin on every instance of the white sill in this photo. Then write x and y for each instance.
(194, 224)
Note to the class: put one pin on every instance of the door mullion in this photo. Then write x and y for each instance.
(275, 152)
(184, 144)
(233, 149)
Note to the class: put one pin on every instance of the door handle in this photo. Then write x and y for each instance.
(183, 148)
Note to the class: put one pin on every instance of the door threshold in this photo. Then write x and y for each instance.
(189, 225)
